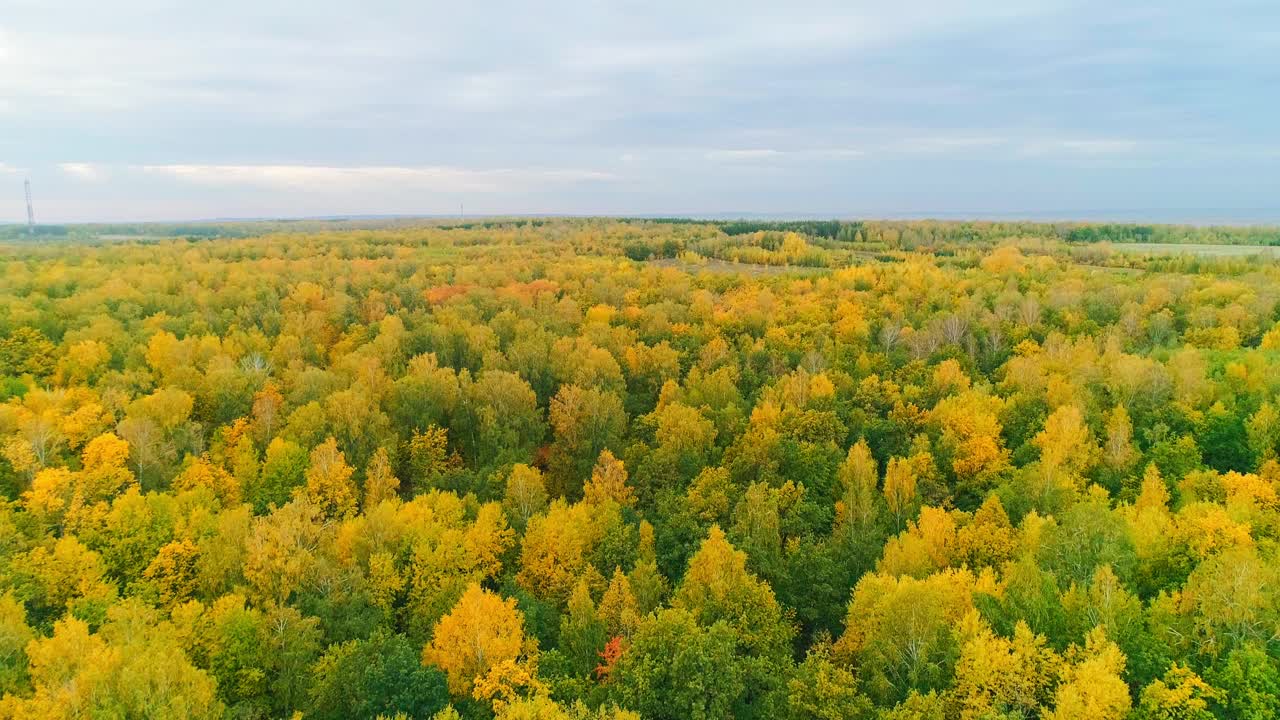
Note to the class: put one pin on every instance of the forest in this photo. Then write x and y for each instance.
(592, 469)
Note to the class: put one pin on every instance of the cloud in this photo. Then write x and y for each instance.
(1096, 147)
(320, 178)
(747, 155)
(83, 171)
(839, 152)
(759, 154)
(6, 169)
(945, 144)
(742, 104)
(1025, 146)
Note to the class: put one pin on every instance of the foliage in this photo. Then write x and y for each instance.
(611, 470)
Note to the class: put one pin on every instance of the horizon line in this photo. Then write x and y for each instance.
(1127, 216)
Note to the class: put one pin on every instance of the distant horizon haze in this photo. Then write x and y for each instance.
(1182, 216)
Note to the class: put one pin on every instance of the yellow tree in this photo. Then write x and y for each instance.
(1067, 450)
(428, 456)
(481, 632)
(996, 675)
(525, 495)
(1118, 453)
(199, 472)
(14, 636)
(173, 572)
(618, 609)
(585, 421)
(105, 472)
(66, 576)
(970, 430)
(1066, 441)
(542, 707)
(280, 551)
(380, 482)
(927, 545)
(1263, 430)
(822, 689)
(134, 667)
(50, 496)
(609, 482)
(1181, 694)
(267, 404)
(988, 539)
(1091, 683)
(718, 587)
(858, 477)
(83, 361)
(648, 584)
(556, 548)
(446, 552)
(900, 488)
(329, 481)
(900, 631)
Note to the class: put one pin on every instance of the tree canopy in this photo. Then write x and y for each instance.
(622, 470)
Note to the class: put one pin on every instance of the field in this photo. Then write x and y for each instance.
(1197, 249)
(592, 469)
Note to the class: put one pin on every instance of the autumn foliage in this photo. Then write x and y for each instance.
(625, 470)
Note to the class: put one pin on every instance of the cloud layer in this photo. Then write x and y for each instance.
(160, 109)
(314, 178)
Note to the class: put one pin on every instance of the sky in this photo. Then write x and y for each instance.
(172, 110)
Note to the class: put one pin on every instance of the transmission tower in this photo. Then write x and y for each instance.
(31, 214)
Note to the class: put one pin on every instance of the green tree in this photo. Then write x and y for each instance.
(677, 669)
(382, 675)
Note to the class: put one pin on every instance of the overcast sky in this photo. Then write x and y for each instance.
(154, 110)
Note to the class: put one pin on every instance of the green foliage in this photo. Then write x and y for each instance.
(619, 470)
(379, 676)
(677, 669)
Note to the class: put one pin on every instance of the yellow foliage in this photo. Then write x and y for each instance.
(1208, 529)
(858, 477)
(84, 423)
(949, 376)
(1065, 442)
(385, 580)
(1091, 682)
(995, 674)
(609, 482)
(554, 554)
(1181, 693)
(20, 455)
(988, 540)
(173, 572)
(927, 545)
(1004, 259)
(971, 429)
(506, 683)
(200, 472)
(539, 707)
(481, 632)
(526, 493)
(1119, 453)
(105, 473)
(329, 480)
(1271, 340)
(134, 667)
(1252, 490)
(899, 485)
(50, 494)
(618, 609)
(380, 483)
(899, 627)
